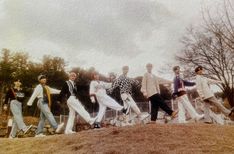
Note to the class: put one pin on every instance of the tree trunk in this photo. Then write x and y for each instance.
(228, 93)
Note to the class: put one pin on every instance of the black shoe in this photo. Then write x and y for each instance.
(97, 125)
(125, 111)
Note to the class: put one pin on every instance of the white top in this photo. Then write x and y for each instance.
(38, 93)
(203, 86)
(150, 84)
(99, 88)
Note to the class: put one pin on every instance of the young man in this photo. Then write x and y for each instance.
(15, 96)
(182, 98)
(205, 93)
(150, 89)
(42, 92)
(125, 84)
(69, 93)
(98, 90)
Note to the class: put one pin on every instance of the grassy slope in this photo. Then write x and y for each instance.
(191, 138)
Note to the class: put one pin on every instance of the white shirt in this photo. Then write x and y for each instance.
(99, 87)
(203, 86)
(38, 93)
(150, 84)
(73, 84)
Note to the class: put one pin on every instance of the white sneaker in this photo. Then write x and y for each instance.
(40, 135)
(70, 132)
(92, 120)
(59, 128)
(11, 137)
(199, 117)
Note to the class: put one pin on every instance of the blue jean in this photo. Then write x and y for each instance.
(45, 114)
(18, 122)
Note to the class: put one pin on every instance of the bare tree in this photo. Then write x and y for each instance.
(212, 46)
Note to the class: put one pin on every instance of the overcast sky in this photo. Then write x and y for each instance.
(105, 34)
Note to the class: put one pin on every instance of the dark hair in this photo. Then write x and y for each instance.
(175, 68)
(198, 68)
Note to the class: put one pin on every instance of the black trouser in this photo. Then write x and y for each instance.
(156, 102)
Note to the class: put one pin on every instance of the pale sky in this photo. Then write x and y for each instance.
(105, 34)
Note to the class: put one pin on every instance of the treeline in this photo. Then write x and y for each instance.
(18, 66)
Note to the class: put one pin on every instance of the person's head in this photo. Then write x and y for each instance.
(72, 76)
(96, 76)
(149, 67)
(17, 85)
(176, 69)
(42, 79)
(199, 70)
(125, 70)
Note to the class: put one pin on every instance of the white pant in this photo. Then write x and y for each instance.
(213, 101)
(74, 106)
(183, 106)
(129, 102)
(104, 102)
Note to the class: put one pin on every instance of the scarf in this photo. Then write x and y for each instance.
(46, 94)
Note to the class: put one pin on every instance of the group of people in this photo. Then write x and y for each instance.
(99, 91)
(206, 95)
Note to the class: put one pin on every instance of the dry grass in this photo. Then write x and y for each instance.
(190, 138)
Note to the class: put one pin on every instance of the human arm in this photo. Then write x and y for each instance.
(175, 87)
(9, 95)
(212, 81)
(92, 92)
(157, 84)
(54, 91)
(144, 85)
(107, 85)
(115, 84)
(189, 83)
(35, 93)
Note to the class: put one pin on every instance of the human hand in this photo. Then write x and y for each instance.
(92, 98)
(5, 107)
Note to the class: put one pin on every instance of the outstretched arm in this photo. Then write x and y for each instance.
(136, 83)
(54, 91)
(114, 86)
(36, 92)
(143, 86)
(188, 83)
(212, 81)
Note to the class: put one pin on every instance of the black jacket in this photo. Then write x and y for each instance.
(65, 92)
(13, 94)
